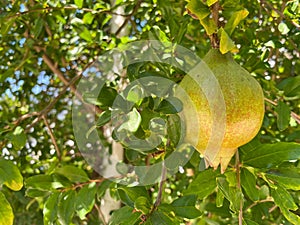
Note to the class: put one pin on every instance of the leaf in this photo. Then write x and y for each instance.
(226, 44)
(160, 217)
(232, 194)
(283, 115)
(133, 121)
(79, 3)
(234, 20)
(6, 212)
(248, 182)
(85, 200)
(50, 209)
(283, 28)
(290, 86)
(203, 185)
(211, 2)
(18, 138)
(185, 207)
(288, 178)
(128, 195)
(73, 173)
(170, 105)
(38, 27)
(86, 35)
(283, 199)
(143, 205)
(104, 118)
(10, 175)
(198, 8)
(124, 216)
(88, 18)
(271, 155)
(42, 182)
(209, 25)
(102, 188)
(66, 207)
(135, 94)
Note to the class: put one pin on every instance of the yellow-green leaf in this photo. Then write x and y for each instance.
(209, 25)
(6, 213)
(211, 2)
(10, 175)
(226, 43)
(235, 19)
(198, 9)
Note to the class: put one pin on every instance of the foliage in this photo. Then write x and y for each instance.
(46, 47)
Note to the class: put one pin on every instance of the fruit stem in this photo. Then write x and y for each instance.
(214, 39)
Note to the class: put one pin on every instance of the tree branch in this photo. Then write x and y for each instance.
(214, 39)
(161, 186)
(52, 138)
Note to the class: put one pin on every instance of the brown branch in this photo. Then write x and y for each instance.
(100, 214)
(295, 116)
(214, 39)
(258, 202)
(161, 186)
(135, 9)
(54, 142)
(49, 9)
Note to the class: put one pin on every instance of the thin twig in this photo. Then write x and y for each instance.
(135, 9)
(161, 186)
(54, 142)
(238, 178)
(295, 116)
(100, 214)
(258, 202)
(215, 42)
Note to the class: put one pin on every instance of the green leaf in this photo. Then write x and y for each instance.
(170, 105)
(185, 207)
(283, 115)
(234, 20)
(143, 205)
(271, 155)
(128, 195)
(86, 35)
(79, 3)
(38, 27)
(18, 138)
(50, 209)
(6, 212)
(198, 8)
(10, 175)
(203, 185)
(162, 218)
(283, 199)
(232, 194)
(66, 207)
(42, 182)
(290, 86)
(135, 94)
(249, 222)
(226, 44)
(85, 200)
(73, 173)
(211, 2)
(283, 28)
(209, 25)
(33, 193)
(288, 178)
(133, 121)
(104, 118)
(88, 18)
(102, 188)
(124, 216)
(248, 182)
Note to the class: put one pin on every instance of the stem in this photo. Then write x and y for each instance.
(161, 184)
(238, 178)
(214, 39)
